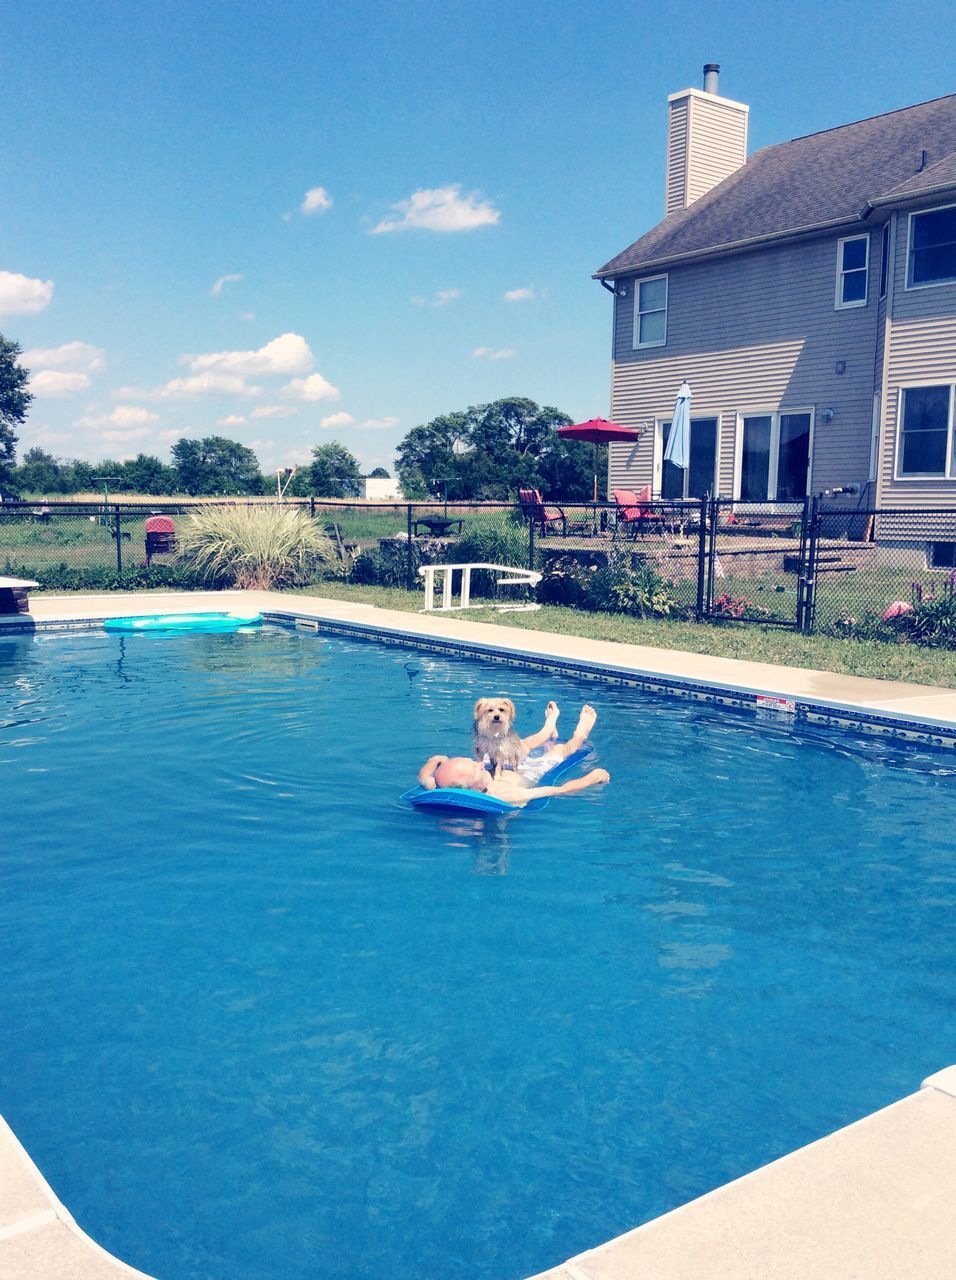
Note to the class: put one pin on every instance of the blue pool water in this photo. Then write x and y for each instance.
(258, 1018)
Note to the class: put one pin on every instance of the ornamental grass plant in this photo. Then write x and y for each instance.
(256, 547)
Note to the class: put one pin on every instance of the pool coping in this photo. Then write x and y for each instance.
(724, 1233)
(889, 708)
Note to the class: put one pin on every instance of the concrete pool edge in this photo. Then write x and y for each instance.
(883, 707)
(39, 1237)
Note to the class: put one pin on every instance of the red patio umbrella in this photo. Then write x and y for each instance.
(599, 431)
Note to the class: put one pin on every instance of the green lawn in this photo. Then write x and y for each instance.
(750, 641)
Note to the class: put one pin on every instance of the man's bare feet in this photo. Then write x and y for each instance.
(586, 721)
(551, 713)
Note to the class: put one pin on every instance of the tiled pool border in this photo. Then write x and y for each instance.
(762, 705)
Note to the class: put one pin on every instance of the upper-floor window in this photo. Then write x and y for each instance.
(884, 259)
(932, 255)
(926, 433)
(650, 312)
(853, 258)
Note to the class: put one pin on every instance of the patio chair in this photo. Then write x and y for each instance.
(542, 517)
(160, 537)
(635, 512)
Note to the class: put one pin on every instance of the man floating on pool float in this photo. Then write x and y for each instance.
(518, 786)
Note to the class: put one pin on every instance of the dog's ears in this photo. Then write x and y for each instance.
(480, 706)
(511, 707)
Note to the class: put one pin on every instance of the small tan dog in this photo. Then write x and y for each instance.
(495, 735)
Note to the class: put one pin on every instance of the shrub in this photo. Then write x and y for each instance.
(615, 588)
(931, 622)
(65, 577)
(255, 547)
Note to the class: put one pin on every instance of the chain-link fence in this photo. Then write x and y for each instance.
(844, 571)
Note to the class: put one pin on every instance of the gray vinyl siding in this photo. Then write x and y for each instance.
(753, 333)
(921, 352)
(676, 185)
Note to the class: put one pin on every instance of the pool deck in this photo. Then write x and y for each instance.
(873, 1201)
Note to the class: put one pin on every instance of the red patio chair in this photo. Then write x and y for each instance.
(634, 511)
(542, 517)
(160, 537)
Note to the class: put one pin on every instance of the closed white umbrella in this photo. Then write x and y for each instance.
(678, 440)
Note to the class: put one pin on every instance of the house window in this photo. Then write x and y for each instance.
(942, 555)
(775, 457)
(932, 256)
(884, 259)
(650, 312)
(853, 256)
(700, 476)
(926, 430)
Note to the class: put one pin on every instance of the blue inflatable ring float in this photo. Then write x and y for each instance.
(183, 622)
(479, 802)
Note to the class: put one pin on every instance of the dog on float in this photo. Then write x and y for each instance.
(496, 740)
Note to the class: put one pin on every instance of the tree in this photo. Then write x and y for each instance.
(379, 473)
(146, 474)
(15, 401)
(40, 473)
(491, 450)
(215, 465)
(334, 472)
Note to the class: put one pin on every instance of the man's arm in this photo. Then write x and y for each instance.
(426, 774)
(592, 779)
(547, 731)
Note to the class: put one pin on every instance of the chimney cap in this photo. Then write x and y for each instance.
(711, 66)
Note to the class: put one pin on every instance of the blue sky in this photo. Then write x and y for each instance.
(295, 222)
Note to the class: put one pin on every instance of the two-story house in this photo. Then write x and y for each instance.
(808, 294)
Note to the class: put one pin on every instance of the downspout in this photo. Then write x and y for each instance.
(885, 375)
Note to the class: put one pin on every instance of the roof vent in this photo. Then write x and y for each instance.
(923, 158)
(711, 72)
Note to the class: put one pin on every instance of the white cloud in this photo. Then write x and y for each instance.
(440, 298)
(55, 384)
(521, 295)
(81, 357)
(216, 290)
(487, 353)
(289, 353)
(231, 420)
(22, 295)
(174, 434)
(317, 200)
(273, 411)
(297, 458)
(337, 420)
(378, 424)
(247, 315)
(439, 209)
(124, 415)
(204, 384)
(262, 444)
(309, 389)
(123, 437)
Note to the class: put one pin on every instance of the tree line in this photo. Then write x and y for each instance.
(485, 451)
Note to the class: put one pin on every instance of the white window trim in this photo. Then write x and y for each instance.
(774, 415)
(946, 477)
(658, 473)
(927, 284)
(636, 343)
(838, 302)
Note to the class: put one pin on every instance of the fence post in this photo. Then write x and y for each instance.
(802, 563)
(711, 556)
(702, 556)
(119, 542)
(312, 506)
(810, 569)
(531, 544)
(409, 553)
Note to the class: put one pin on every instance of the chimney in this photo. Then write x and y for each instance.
(706, 141)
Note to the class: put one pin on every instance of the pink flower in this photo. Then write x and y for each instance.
(896, 610)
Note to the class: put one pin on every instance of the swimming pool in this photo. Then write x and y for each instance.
(258, 1018)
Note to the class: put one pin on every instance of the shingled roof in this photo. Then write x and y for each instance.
(824, 179)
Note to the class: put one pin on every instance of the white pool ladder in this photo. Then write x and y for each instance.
(515, 577)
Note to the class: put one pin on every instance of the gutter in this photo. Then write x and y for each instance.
(907, 197)
(732, 246)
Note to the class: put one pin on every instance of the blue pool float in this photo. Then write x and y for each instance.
(183, 622)
(478, 802)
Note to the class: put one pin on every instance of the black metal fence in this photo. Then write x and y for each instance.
(808, 566)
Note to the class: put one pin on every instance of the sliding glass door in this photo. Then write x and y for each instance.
(775, 457)
(700, 476)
